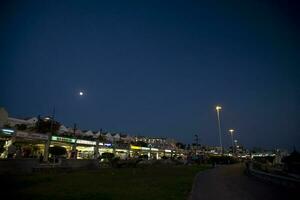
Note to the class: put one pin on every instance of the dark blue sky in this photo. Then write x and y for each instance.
(156, 68)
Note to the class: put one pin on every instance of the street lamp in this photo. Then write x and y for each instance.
(231, 133)
(218, 108)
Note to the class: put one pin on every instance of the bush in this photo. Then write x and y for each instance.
(144, 157)
(266, 159)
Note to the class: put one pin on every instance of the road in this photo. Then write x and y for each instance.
(230, 182)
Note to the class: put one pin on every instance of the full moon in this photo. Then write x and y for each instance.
(81, 93)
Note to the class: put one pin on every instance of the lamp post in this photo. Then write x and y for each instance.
(218, 108)
(231, 133)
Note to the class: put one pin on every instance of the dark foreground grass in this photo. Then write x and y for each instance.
(157, 183)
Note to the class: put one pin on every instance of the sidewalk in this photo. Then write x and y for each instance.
(230, 182)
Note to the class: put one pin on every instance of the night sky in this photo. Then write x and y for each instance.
(156, 68)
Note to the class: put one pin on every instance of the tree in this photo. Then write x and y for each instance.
(180, 145)
(292, 162)
(188, 147)
(45, 126)
(101, 138)
(7, 126)
(21, 127)
(2, 143)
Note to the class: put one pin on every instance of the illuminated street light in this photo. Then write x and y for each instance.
(231, 133)
(218, 108)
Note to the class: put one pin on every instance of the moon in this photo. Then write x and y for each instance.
(80, 93)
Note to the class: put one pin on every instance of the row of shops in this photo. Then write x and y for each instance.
(34, 144)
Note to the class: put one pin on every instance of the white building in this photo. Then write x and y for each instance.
(29, 122)
(63, 130)
(126, 138)
(116, 137)
(96, 134)
(88, 133)
(108, 136)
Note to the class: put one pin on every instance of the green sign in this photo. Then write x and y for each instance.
(63, 139)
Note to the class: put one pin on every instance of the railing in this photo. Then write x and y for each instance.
(273, 178)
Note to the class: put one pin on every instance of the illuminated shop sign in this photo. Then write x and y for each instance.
(63, 139)
(142, 148)
(107, 144)
(86, 142)
(168, 151)
(7, 131)
(135, 147)
(154, 149)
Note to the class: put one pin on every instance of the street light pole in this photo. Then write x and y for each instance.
(231, 133)
(218, 108)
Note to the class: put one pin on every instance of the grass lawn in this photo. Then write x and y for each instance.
(165, 182)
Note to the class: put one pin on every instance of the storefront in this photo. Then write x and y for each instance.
(65, 142)
(29, 145)
(85, 148)
(122, 153)
(105, 148)
(154, 153)
(151, 153)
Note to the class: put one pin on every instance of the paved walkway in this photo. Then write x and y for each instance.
(230, 182)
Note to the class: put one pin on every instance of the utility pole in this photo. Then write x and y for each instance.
(47, 145)
(74, 153)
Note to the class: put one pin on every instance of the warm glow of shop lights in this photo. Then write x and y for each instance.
(122, 150)
(135, 147)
